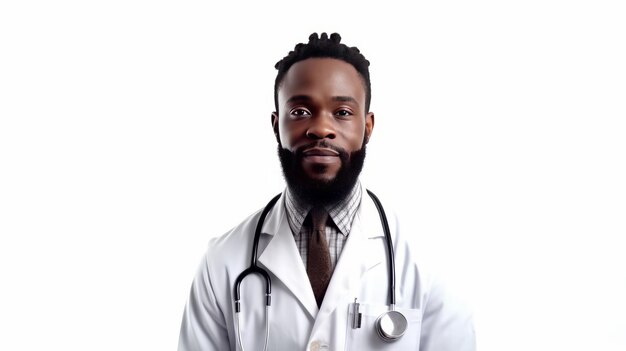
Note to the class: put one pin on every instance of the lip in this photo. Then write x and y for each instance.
(318, 151)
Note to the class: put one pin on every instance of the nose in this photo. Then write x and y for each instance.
(321, 127)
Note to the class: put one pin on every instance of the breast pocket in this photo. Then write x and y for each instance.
(366, 338)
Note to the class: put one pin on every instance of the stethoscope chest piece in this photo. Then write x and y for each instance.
(391, 325)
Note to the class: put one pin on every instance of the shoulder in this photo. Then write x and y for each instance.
(402, 235)
(235, 246)
(410, 247)
(232, 244)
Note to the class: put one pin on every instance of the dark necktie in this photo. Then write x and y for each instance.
(318, 257)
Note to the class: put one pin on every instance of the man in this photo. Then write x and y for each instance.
(322, 243)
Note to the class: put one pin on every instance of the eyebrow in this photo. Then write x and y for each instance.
(334, 98)
(299, 98)
(344, 99)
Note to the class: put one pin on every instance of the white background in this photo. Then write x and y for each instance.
(132, 131)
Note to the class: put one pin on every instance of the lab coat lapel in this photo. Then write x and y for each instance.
(359, 255)
(282, 259)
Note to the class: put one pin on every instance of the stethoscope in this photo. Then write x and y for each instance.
(390, 325)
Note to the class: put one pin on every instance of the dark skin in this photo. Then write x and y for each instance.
(322, 99)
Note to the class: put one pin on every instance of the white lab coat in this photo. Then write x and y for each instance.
(436, 322)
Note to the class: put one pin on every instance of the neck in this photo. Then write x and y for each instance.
(310, 202)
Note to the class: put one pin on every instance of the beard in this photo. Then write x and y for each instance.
(317, 192)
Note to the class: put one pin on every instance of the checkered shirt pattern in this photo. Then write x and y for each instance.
(337, 230)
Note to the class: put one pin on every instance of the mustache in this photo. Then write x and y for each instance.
(321, 144)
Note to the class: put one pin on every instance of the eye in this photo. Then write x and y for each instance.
(343, 113)
(300, 112)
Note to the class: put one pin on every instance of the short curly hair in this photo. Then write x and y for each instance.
(330, 47)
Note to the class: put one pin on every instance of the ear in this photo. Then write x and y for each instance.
(275, 126)
(369, 126)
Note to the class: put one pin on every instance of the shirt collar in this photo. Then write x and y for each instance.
(342, 212)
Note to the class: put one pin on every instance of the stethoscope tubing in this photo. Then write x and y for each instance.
(390, 255)
(254, 268)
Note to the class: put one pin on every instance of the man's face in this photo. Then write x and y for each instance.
(322, 125)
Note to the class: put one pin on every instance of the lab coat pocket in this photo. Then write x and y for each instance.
(366, 338)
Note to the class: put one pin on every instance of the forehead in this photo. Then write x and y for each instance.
(323, 77)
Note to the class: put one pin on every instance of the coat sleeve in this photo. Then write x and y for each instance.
(446, 323)
(203, 327)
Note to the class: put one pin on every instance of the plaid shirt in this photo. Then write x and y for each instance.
(337, 230)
